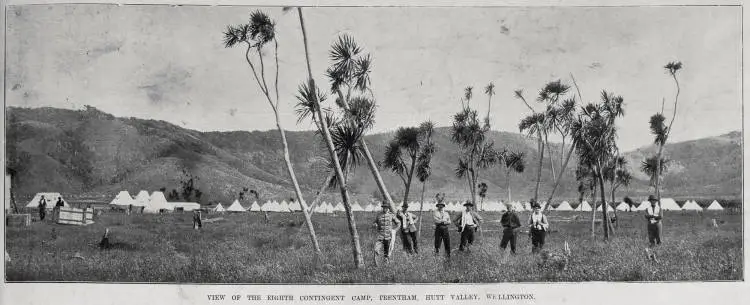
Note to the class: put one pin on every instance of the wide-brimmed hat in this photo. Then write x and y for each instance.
(385, 204)
(536, 206)
(439, 204)
(652, 198)
(468, 203)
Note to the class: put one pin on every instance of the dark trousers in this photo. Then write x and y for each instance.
(42, 213)
(383, 245)
(509, 237)
(654, 233)
(467, 237)
(537, 240)
(197, 224)
(409, 239)
(442, 236)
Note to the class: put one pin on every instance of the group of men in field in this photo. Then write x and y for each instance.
(468, 222)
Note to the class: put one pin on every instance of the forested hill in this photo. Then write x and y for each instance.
(92, 152)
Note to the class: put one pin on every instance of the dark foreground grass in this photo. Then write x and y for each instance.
(242, 248)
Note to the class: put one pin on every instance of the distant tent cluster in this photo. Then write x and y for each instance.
(154, 203)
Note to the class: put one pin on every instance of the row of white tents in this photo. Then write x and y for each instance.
(156, 202)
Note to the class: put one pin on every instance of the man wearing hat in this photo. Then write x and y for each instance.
(654, 215)
(468, 223)
(510, 223)
(538, 226)
(408, 229)
(442, 221)
(385, 223)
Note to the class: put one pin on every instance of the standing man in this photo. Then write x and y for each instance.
(56, 210)
(197, 223)
(654, 215)
(538, 227)
(467, 223)
(384, 223)
(408, 230)
(510, 223)
(442, 221)
(42, 208)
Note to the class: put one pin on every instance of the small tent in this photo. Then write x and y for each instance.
(609, 208)
(714, 206)
(329, 208)
(564, 206)
(294, 206)
(527, 206)
(123, 198)
(623, 207)
(218, 208)
(357, 208)
(691, 206)
(235, 207)
(255, 207)
(157, 203)
(370, 207)
(643, 206)
(668, 204)
(141, 200)
(51, 200)
(584, 207)
(339, 207)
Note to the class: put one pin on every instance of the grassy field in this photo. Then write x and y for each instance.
(242, 248)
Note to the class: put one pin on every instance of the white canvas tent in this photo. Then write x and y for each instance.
(623, 207)
(51, 200)
(235, 207)
(564, 206)
(609, 208)
(339, 207)
(643, 206)
(186, 206)
(255, 207)
(271, 206)
(294, 206)
(691, 206)
(714, 206)
(357, 208)
(219, 208)
(329, 208)
(141, 200)
(584, 207)
(369, 207)
(527, 206)
(123, 198)
(668, 204)
(156, 203)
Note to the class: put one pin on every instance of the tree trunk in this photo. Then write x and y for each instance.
(297, 190)
(376, 175)
(421, 214)
(550, 154)
(614, 189)
(559, 176)
(605, 218)
(408, 180)
(358, 260)
(540, 145)
(593, 210)
(507, 183)
(658, 173)
(320, 193)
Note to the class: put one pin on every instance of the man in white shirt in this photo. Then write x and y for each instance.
(538, 226)
(467, 223)
(442, 221)
(654, 215)
(408, 230)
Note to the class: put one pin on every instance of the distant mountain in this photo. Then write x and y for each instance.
(91, 152)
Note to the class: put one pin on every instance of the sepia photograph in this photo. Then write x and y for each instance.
(336, 145)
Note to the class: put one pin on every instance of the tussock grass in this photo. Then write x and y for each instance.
(242, 248)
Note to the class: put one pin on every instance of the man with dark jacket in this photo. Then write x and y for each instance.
(510, 223)
(42, 208)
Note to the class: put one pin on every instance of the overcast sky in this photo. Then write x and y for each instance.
(169, 63)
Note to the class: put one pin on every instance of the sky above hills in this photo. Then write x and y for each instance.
(169, 63)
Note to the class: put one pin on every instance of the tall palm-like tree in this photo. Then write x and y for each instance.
(349, 76)
(401, 155)
(595, 133)
(423, 166)
(514, 161)
(656, 123)
(356, 248)
(477, 152)
(254, 37)
(617, 174)
(490, 91)
(649, 167)
(533, 125)
(482, 194)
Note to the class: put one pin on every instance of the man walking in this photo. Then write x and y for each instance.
(385, 222)
(442, 221)
(42, 208)
(538, 228)
(510, 223)
(408, 230)
(654, 216)
(468, 223)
